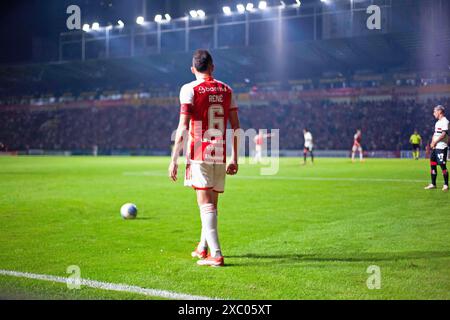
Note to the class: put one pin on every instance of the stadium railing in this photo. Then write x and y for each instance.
(403, 154)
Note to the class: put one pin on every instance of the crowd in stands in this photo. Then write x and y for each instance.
(80, 129)
(386, 125)
(114, 89)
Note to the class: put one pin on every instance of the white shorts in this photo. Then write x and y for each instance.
(206, 176)
(356, 148)
(308, 147)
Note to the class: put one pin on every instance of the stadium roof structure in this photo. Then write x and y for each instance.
(378, 53)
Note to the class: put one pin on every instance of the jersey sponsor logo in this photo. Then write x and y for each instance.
(203, 90)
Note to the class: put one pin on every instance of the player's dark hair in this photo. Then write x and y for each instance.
(202, 60)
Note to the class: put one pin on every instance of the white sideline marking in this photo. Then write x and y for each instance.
(107, 286)
(159, 174)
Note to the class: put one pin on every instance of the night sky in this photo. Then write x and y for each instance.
(23, 22)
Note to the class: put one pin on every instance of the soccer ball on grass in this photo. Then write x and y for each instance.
(128, 211)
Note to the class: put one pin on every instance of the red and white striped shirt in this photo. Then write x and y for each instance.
(209, 103)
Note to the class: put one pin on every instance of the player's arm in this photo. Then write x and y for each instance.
(439, 139)
(232, 167)
(444, 135)
(186, 110)
(183, 127)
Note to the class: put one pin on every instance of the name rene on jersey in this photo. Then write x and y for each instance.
(216, 98)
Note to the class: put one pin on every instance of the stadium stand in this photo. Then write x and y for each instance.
(138, 128)
(331, 86)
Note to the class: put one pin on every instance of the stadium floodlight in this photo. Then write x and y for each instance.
(193, 14)
(240, 8)
(140, 20)
(109, 27)
(158, 18)
(262, 5)
(201, 14)
(86, 27)
(249, 6)
(297, 4)
(282, 4)
(227, 10)
(120, 24)
(168, 17)
(95, 26)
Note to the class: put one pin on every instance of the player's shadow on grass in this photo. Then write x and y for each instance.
(350, 257)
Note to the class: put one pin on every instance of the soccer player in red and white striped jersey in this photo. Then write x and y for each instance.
(259, 140)
(207, 105)
(357, 146)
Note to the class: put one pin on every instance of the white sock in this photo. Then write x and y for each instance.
(208, 214)
(353, 156)
(203, 244)
(361, 156)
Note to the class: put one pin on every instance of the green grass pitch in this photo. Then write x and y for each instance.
(308, 233)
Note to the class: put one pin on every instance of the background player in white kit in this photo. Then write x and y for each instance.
(259, 139)
(309, 145)
(439, 148)
(206, 106)
(357, 146)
